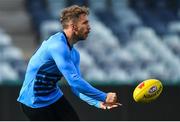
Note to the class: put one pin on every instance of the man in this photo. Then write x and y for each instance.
(40, 96)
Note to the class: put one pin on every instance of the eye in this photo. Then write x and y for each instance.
(85, 22)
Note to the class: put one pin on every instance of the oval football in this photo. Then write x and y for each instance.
(147, 91)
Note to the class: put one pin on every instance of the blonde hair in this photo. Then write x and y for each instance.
(72, 13)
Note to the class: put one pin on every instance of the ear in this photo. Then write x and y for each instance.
(74, 27)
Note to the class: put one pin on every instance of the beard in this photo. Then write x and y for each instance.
(82, 36)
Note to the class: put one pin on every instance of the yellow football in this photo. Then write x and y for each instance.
(147, 91)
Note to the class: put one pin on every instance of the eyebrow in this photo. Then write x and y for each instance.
(86, 21)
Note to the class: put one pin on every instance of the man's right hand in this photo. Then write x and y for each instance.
(111, 101)
(111, 98)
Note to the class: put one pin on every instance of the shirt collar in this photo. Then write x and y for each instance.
(70, 47)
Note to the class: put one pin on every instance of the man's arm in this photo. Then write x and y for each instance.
(96, 103)
(61, 56)
(85, 98)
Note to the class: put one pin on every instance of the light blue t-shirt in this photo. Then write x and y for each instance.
(54, 59)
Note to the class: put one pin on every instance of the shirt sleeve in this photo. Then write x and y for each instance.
(61, 55)
(83, 97)
(87, 99)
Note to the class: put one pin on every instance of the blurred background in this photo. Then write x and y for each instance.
(130, 41)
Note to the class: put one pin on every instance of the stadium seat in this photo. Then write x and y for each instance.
(48, 28)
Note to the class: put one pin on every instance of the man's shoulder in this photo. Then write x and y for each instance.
(57, 43)
(56, 39)
(57, 36)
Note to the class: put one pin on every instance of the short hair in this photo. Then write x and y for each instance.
(72, 13)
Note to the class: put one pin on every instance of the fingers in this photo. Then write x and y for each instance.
(102, 106)
(119, 104)
(109, 106)
(112, 106)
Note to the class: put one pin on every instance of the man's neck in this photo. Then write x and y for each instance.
(70, 37)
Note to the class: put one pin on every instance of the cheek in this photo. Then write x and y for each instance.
(81, 30)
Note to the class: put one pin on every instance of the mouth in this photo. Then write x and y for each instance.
(88, 32)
